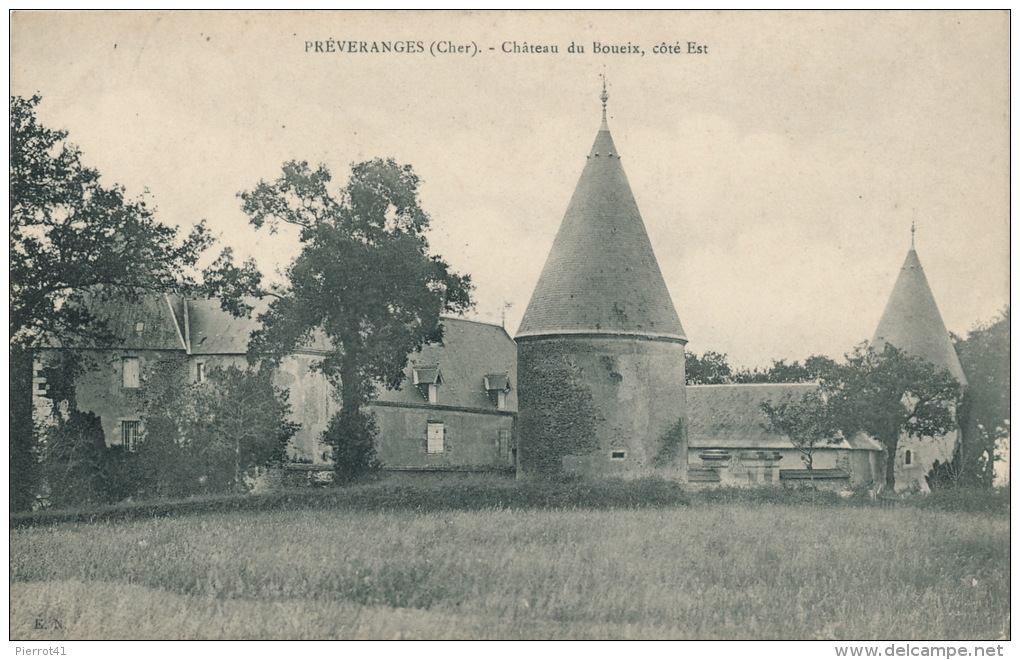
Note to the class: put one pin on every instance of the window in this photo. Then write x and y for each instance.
(617, 455)
(503, 443)
(907, 457)
(132, 372)
(199, 372)
(434, 438)
(497, 386)
(428, 380)
(130, 434)
(140, 327)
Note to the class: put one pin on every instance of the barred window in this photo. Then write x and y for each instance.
(130, 434)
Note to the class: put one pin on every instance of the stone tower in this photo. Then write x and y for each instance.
(912, 323)
(600, 346)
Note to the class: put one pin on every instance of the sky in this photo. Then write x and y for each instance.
(778, 171)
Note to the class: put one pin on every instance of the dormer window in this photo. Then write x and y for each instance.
(497, 386)
(140, 327)
(428, 379)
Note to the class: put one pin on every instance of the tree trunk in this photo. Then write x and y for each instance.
(24, 466)
(237, 465)
(351, 400)
(350, 388)
(891, 445)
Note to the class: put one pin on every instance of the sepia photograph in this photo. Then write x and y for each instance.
(690, 326)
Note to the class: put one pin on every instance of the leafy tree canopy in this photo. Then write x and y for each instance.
(70, 234)
(808, 423)
(217, 430)
(890, 393)
(713, 368)
(71, 237)
(364, 279)
(984, 415)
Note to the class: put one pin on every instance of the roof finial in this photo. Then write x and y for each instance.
(913, 228)
(604, 96)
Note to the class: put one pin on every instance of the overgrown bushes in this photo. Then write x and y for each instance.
(74, 461)
(975, 499)
(193, 438)
(351, 436)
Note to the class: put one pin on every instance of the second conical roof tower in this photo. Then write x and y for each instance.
(912, 323)
(601, 275)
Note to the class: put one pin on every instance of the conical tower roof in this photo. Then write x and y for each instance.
(601, 276)
(912, 322)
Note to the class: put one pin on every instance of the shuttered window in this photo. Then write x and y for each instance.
(434, 438)
(132, 371)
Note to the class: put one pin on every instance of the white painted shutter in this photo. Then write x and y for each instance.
(434, 439)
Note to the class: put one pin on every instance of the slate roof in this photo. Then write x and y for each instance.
(216, 332)
(157, 314)
(468, 353)
(601, 275)
(430, 375)
(730, 416)
(912, 323)
(496, 382)
(472, 354)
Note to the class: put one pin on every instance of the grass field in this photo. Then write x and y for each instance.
(705, 571)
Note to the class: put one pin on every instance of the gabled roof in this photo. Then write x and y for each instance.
(496, 382)
(151, 321)
(601, 275)
(469, 351)
(471, 356)
(217, 332)
(912, 323)
(429, 375)
(214, 331)
(730, 416)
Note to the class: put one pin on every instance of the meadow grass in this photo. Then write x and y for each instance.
(728, 570)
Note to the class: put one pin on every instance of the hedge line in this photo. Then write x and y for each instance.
(402, 496)
(473, 495)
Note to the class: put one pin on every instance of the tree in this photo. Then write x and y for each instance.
(71, 235)
(73, 463)
(710, 369)
(352, 438)
(984, 414)
(887, 394)
(783, 372)
(239, 420)
(204, 437)
(808, 423)
(364, 279)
